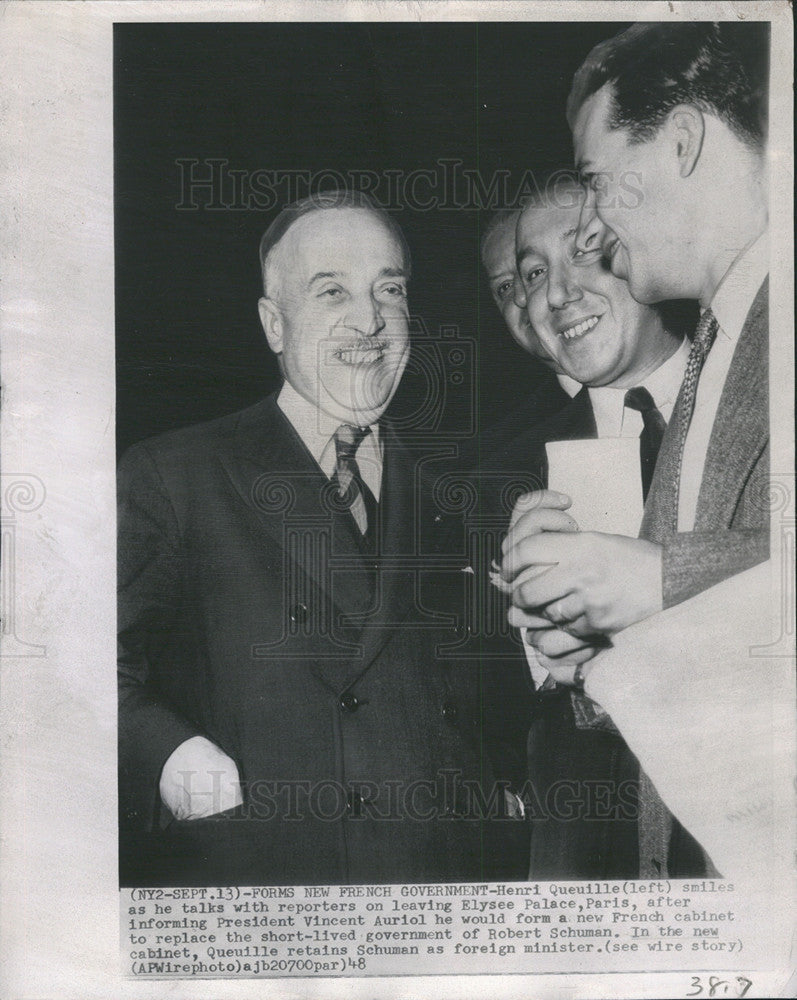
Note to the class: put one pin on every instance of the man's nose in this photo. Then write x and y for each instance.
(519, 294)
(589, 235)
(365, 316)
(562, 288)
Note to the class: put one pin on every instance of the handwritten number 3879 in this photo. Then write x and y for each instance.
(717, 987)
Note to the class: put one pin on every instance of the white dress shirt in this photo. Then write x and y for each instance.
(614, 419)
(730, 305)
(317, 431)
(570, 386)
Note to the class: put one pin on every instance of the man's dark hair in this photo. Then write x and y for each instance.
(320, 202)
(722, 68)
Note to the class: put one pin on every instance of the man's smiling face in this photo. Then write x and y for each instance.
(337, 312)
(631, 202)
(584, 316)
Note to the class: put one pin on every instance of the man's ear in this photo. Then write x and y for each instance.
(688, 128)
(271, 321)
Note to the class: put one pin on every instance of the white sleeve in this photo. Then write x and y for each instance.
(539, 674)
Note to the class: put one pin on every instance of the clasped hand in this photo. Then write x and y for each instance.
(574, 589)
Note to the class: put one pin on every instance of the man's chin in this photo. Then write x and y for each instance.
(366, 396)
(639, 288)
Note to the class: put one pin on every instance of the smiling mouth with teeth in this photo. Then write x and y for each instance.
(361, 352)
(579, 329)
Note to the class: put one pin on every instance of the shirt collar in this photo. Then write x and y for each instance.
(570, 386)
(739, 287)
(663, 384)
(315, 427)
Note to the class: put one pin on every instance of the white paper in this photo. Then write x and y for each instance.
(602, 478)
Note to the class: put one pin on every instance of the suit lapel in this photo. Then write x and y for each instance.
(735, 443)
(394, 582)
(277, 477)
(574, 421)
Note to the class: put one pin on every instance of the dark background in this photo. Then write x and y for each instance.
(319, 97)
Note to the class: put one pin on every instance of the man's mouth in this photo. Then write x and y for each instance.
(579, 329)
(361, 352)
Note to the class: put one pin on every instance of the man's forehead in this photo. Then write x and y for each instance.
(499, 249)
(340, 226)
(333, 240)
(590, 129)
(543, 224)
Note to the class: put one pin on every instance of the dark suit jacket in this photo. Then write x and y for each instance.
(250, 614)
(582, 783)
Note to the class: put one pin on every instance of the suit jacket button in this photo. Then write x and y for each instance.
(449, 711)
(349, 702)
(298, 614)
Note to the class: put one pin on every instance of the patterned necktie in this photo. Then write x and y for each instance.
(653, 430)
(705, 335)
(350, 483)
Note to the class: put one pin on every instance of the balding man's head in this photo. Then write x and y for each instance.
(335, 310)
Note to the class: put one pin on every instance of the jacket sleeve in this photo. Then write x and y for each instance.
(150, 577)
(694, 561)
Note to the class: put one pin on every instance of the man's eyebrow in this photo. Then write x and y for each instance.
(523, 252)
(324, 274)
(569, 233)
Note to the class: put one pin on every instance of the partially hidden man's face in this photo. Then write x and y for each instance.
(633, 205)
(498, 258)
(337, 312)
(584, 316)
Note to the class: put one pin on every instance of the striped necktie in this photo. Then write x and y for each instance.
(705, 335)
(350, 484)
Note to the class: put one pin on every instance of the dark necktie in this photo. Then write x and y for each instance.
(653, 430)
(347, 476)
(705, 335)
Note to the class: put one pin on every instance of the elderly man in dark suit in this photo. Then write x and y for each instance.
(674, 116)
(285, 713)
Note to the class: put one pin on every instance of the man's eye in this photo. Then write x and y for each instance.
(504, 288)
(394, 291)
(533, 273)
(331, 293)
